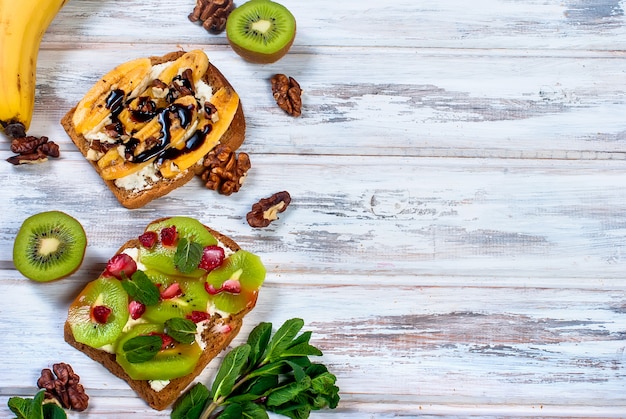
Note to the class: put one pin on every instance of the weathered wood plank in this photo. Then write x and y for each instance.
(571, 24)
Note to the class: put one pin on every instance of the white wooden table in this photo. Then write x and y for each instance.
(457, 236)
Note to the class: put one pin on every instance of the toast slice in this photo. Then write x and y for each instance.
(134, 192)
(216, 333)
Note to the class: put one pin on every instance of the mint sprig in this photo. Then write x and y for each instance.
(35, 408)
(141, 289)
(266, 374)
(188, 255)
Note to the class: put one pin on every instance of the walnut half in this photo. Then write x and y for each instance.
(287, 94)
(266, 210)
(63, 386)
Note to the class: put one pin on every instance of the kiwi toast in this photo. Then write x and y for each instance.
(168, 302)
(147, 125)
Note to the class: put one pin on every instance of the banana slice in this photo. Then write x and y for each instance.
(136, 115)
(115, 86)
(170, 128)
(227, 101)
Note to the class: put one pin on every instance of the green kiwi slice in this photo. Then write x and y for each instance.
(177, 360)
(49, 246)
(193, 298)
(161, 257)
(243, 267)
(102, 292)
(261, 31)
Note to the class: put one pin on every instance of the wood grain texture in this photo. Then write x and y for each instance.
(456, 239)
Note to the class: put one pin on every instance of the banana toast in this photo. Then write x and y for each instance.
(146, 125)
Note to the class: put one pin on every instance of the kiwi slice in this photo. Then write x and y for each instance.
(49, 245)
(102, 292)
(177, 360)
(242, 267)
(261, 31)
(193, 298)
(161, 257)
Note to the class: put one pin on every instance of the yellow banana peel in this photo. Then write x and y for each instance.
(22, 26)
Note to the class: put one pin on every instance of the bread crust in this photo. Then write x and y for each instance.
(217, 336)
(233, 138)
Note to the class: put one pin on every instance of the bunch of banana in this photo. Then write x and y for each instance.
(22, 26)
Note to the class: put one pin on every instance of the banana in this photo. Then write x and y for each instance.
(171, 128)
(115, 86)
(227, 101)
(22, 26)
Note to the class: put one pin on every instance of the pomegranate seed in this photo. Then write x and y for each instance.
(212, 257)
(148, 239)
(169, 236)
(172, 291)
(166, 340)
(101, 313)
(136, 309)
(232, 285)
(211, 289)
(120, 265)
(198, 316)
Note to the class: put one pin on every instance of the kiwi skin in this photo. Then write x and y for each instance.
(75, 246)
(258, 57)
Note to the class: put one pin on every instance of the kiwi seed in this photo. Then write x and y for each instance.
(49, 245)
(261, 31)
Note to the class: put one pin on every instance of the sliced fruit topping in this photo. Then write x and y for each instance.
(149, 359)
(136, 309)
(101, 314)
(198, 316)
(149, 239)
(161, 257)
(120, 266)
(179, 299)
(169, 236)
(212, 257)
(234, 285)
(206, 136)
(95, 106)
(171, 291)
(88, 323)
(49, 246)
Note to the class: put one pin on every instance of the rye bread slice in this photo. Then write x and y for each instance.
(217, 336)
(233, 138)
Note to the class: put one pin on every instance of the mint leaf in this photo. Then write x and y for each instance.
(190, 406)
(181, 330)
(27, 408)
(53, 411)
(289, 392)
(142, 348)
(303, 349)
(141, 289)
(283, 338)
(251, 410)
(258, 339)
(232, 411)
(229, 371)
(188, 255)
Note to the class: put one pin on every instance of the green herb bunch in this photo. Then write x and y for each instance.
(266, 374)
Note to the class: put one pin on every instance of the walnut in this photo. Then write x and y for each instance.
(287, 94)
(65, 387)
(224, 171)
(212, 14)
(32, 149)
(266, 210)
